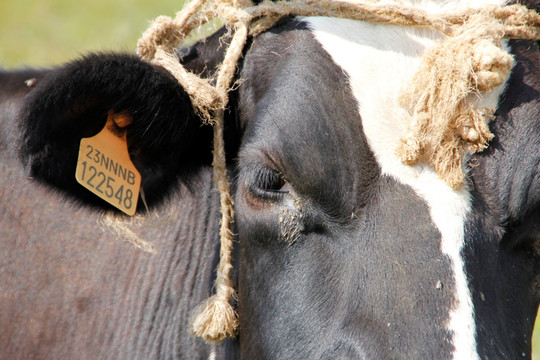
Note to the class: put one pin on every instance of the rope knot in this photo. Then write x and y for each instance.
(446, 122)
(490, 65)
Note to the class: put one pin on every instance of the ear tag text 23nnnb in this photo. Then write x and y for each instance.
(105, 168)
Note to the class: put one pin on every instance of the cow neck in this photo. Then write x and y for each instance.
(438, 141)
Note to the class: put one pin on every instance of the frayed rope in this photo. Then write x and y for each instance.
(446, 124)
(445, 121)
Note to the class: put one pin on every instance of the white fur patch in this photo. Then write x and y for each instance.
(380, 61)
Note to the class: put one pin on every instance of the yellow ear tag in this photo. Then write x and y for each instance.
(105, 168)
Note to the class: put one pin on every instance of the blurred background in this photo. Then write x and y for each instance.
(48, 32)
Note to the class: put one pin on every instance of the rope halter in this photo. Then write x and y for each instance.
(445, 123)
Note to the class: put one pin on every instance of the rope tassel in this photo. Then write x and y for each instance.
(215, 321)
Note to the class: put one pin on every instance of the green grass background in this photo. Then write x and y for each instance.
(48, 32)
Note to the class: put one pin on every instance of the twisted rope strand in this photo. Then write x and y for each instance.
(216, 318)
(444, 123)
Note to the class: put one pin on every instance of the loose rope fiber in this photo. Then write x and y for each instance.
(445, 123)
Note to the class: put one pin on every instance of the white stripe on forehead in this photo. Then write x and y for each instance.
(380, 60)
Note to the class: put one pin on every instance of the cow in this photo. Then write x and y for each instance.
(342, 251)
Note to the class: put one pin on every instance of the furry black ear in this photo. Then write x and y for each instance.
(73, 101)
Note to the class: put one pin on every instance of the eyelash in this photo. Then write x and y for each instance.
(268, 184)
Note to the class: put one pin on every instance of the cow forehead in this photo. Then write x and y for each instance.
(306, 125)
(380, 61)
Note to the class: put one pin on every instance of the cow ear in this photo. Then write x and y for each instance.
(165, 139)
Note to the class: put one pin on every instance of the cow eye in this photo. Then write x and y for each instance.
(269, 183)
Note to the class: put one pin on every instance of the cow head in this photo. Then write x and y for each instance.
(344, 252)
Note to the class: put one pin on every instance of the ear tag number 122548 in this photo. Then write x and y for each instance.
(105, 168)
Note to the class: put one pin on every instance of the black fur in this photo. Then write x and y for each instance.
(503, 230)
(72, 102)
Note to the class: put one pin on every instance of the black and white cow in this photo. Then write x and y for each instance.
(343, 251)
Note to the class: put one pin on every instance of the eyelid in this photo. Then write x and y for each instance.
(265, 181)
